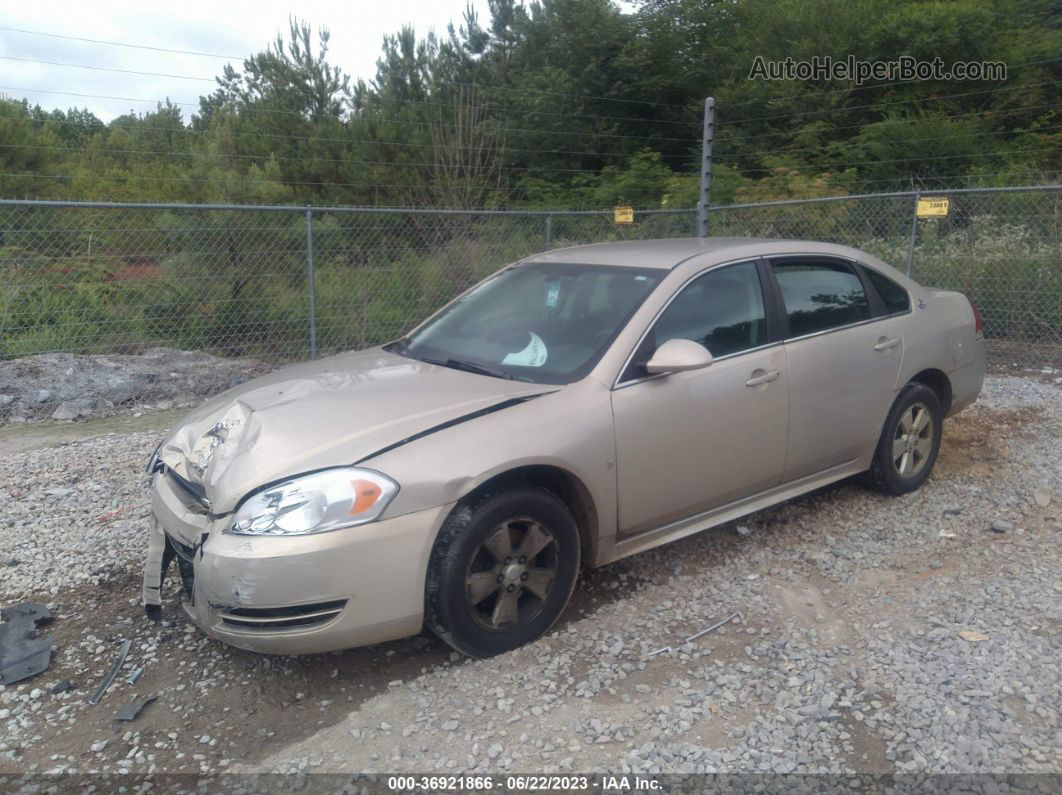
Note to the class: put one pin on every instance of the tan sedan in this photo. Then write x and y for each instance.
(576, 407)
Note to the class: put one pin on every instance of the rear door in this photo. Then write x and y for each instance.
(843, 357)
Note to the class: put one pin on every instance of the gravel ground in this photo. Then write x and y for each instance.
(847, 656)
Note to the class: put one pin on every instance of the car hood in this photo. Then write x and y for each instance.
(325, 413)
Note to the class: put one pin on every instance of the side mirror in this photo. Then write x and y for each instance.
(677, 355)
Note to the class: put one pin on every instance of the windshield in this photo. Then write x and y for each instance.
(540, 322)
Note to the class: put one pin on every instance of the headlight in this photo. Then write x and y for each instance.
(316, 503)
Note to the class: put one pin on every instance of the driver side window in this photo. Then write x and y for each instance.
(722, 310)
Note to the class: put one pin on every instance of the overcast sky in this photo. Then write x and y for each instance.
(221, 27)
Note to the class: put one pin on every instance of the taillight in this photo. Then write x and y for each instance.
(979, 325)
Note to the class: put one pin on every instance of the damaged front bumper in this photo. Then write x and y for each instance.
(294, 594)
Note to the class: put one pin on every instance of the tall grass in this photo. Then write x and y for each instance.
(236, 283)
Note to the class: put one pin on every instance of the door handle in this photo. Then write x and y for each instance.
(885, 343)
(764, 377)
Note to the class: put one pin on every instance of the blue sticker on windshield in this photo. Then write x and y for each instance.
(552, 295)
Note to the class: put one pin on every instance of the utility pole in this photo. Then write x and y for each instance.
(707, 135)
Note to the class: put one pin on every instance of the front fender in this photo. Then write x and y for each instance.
(571, 430)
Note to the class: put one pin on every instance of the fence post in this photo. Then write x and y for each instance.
(549, 232)
(707, 135)
(914, 233)
(310, 279)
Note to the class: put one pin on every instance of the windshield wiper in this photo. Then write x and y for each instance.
(469, 367)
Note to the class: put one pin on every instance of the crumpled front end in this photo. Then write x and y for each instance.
(306, 591)
(290, 595)
(317, 415)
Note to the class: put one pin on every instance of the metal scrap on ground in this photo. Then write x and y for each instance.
(22, 652)
(111, 674)
(702, 633)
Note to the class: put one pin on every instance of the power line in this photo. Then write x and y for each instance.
(894, 102)
(244, 178)
(351, 118)
(895, 141)
(510, 89)
(724, 130)
(407, 164)
(406, 186)
(187, 131)
(427, 102)
(876, 85)
(316, 139)
(449, 82)
(527, 111)
(534, 91)
(106, 69)
(838, 166)
(928, 178)
(158, 153)
(122, 44)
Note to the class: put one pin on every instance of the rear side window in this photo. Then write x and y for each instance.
(820, 296)
(893, 295)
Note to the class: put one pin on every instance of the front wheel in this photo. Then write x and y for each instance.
(909, 441)
(502, 571)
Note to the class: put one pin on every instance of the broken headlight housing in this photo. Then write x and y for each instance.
(155, 463)
(317, 503)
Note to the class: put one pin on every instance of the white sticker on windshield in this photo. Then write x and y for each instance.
(534, 355)
(552, 295)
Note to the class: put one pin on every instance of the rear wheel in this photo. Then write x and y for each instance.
(502, 571)
(909, 441)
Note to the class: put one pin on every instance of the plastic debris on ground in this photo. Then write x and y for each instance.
(132, 711)
(119, 661)
(23, 651)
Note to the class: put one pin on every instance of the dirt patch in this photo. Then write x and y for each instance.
(869, 747)
(975, 440)
(204, 688)
(807, 605)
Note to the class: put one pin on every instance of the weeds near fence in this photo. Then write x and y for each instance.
(234, 281)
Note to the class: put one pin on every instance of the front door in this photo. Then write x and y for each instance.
(690, 441)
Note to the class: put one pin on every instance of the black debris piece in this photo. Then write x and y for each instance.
(132, 711)
(123, 652)
(23, 653)
(63, 687)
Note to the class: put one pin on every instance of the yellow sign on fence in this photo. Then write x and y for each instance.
(933, 207)
(623, 215)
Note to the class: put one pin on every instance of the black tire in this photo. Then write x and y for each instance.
(471, 546)
(886, 472)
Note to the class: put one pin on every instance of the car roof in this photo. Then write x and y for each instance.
(666, 254)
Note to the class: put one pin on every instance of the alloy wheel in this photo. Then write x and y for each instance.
(913, 440)
(511, 574)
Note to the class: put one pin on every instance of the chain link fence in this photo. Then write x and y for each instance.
(1002, 247)
(280, 284)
